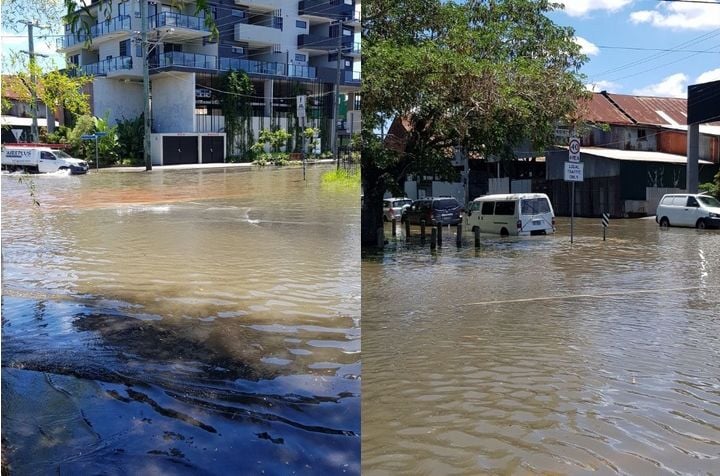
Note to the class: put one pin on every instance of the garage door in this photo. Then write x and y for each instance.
(213, 149)
(180, 150)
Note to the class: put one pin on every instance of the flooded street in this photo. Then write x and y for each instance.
(532, 355)
(183, 322)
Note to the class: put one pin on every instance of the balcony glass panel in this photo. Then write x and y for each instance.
(104, 67)
(177, 20)
(109, 26)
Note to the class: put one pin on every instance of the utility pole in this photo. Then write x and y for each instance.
(336, 95)
(146, 82)
(33, 101)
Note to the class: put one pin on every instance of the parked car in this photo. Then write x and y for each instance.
(393, 207)
(688, 209)
(434, 210)
(520, 214)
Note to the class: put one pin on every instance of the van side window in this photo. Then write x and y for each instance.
(46, 156)
(505, 208)
(487, 208)
(691, 202)
(679, 201)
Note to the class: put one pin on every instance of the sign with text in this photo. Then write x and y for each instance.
(574, 149)
(301, 101)
(573, 172)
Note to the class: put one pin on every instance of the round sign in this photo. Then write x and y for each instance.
(574, 146)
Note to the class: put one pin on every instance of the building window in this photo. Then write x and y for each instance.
(301, 24)
(348, 64)
(124, 46)
(332, 57)
(300, 57)
(641, 134)
(238, 13)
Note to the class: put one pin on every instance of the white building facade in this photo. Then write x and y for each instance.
(287, 48)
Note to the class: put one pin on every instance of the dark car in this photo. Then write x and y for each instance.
(434, 210)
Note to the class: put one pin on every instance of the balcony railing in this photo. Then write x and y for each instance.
(209, 62)
(70, 39)
(178, 20)
(322, 42)
(187, 60)
(104, 67)
(324, 8)
(110, 26)
(355, 47)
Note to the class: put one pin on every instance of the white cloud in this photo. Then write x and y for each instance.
(587, 47)
(598, 86)
(578, 8)
(707, 76)
(681, 16)
(674, 86)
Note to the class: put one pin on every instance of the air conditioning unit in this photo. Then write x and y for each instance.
(238, 50)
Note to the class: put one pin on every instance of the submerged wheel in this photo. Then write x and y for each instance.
(701, 224)
(664, 222)
(474, 229)
(504, 232)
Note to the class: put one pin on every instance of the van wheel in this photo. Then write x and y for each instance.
(504, 232)
(664, 222)
(701, 224)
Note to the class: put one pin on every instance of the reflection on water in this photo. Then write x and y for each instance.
(181, 322)
(532, 355)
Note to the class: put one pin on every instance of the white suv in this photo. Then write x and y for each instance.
(684, 209)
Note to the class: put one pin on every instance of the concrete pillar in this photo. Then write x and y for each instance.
(268, 97)
(693, 154)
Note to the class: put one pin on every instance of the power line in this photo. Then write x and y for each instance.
(636, 48)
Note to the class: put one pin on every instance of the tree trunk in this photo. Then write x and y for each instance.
(371, 215)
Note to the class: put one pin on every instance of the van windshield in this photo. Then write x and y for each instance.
(535, 206)
(61, 155)
(709, 201)
(445, 204)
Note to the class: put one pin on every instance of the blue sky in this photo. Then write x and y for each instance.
(601, 26)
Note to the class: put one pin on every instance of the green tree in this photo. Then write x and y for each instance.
(234, 91)
(130, 134)
(482, 75)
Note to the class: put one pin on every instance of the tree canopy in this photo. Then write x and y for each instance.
(480, 75)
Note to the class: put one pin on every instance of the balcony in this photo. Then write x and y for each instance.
(322, 43)
(177, 59)
(184, 27)
(354, 49)
(325, 9)
(105, 67)
(185, 60)
(106, 30)
(256, 35)
(267, 68)
(113, 28)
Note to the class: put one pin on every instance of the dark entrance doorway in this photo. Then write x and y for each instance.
(180, 150)
(213, 150)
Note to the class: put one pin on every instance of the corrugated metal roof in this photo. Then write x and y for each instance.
(599, 109)
(637, 155)
(657, 111)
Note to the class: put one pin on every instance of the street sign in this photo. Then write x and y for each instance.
(17, 133)
(101, 134)
(301, 101)
(573, 172)
(605, 220)
(574, 150)
(88, 137)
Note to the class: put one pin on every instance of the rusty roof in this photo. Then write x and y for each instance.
(657, 111)
(600, 109)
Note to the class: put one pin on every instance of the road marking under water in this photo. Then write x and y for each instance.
(584, 296)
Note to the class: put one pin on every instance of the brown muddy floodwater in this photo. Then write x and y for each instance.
(181, 322)
(532, 355)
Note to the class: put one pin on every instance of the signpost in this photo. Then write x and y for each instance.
(573, 173)
(301, 102)
(94, 137)
(605, 223)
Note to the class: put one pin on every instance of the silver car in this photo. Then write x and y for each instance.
(393, 207)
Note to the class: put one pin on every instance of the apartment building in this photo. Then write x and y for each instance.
(286, 47)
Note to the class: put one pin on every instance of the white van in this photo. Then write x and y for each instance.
(688, 209)
(519, 214)
(40, 159)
